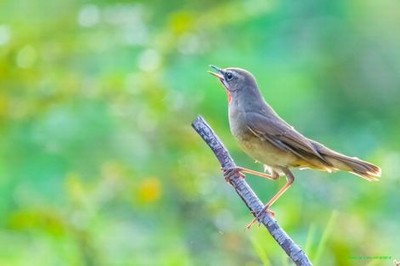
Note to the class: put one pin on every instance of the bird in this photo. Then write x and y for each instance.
(266, 137)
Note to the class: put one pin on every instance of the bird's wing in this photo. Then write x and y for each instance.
(283, 136)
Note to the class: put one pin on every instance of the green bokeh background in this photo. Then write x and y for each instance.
(99, 164)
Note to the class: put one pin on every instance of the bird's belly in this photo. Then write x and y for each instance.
(265, 152)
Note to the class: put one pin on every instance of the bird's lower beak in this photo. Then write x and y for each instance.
(219, 73)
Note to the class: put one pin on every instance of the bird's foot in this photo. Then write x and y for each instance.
(231, 171)
(256, 219)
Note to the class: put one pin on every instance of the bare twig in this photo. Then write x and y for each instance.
(247, 194)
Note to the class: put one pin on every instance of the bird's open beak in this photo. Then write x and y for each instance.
(219, 74)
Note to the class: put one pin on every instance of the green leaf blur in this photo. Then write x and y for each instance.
(99, 164)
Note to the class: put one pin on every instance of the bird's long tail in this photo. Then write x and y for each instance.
(353, 165)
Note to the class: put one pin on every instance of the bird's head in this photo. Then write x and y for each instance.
(236, 81)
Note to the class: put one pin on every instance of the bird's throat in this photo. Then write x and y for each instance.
(229, 96)
(227, 91)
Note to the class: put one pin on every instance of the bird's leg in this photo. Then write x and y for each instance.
(272, 176)
(290, 179)
(228, 172)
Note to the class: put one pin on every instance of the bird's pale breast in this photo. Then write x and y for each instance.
(259, 149)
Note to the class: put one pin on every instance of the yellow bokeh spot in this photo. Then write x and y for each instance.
(149, 190)
(181, 22)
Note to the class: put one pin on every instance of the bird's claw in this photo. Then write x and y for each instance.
(256, 219)
(229, 172)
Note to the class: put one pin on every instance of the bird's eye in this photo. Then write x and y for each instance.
(228, 76)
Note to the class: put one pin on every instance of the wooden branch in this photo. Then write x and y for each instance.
(248, 196)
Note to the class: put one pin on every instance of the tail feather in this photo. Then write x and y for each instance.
(353, 165)
(356, 166)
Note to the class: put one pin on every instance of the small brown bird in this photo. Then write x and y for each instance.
(267, 138)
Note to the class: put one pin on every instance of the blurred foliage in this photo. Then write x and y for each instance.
(99, 164)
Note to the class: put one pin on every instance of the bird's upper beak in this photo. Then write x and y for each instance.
(219, 74)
